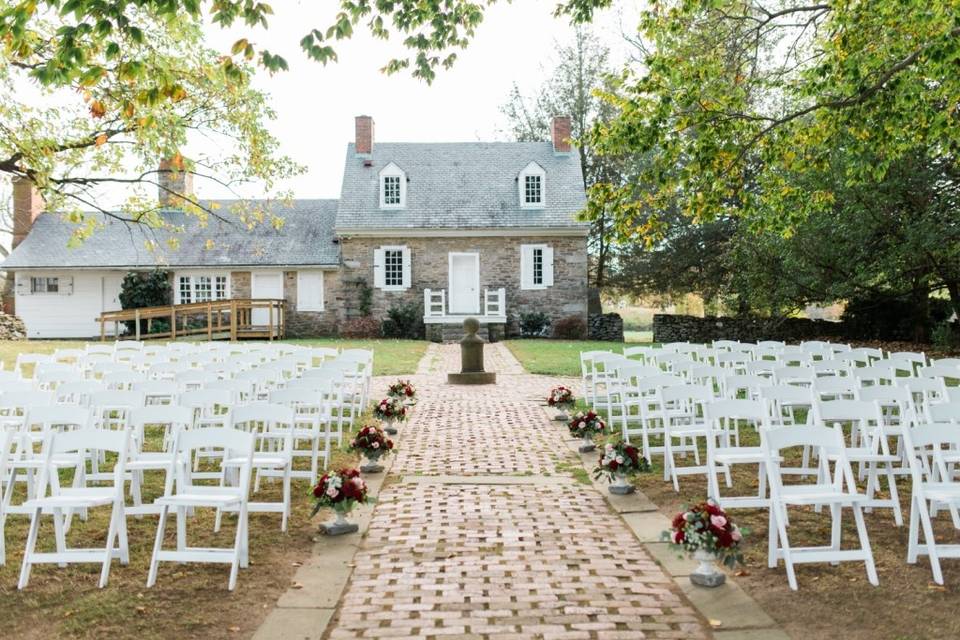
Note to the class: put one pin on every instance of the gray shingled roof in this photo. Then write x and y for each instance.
(471, 185)
(306, 238)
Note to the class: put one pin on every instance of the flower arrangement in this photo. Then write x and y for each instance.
(371, 442)
(706, 527)
(562, 398)
(390, 409)
(620, 459)
(402, 389)
(340, 490)
(585, 426)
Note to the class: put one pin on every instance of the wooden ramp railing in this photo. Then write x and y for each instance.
(258, 318)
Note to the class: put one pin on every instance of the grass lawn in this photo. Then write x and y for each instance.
(391, 357)
(556, 357)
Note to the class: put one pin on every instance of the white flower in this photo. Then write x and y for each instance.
(619, 459)
(332, 492)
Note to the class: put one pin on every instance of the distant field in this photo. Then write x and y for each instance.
(634, 318)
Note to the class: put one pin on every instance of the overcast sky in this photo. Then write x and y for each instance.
(316, 105)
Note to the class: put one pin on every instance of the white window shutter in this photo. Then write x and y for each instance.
(548, 266)
(378, 269)
(65, 286)
(526, 266)
(407, 281)
(23, 285)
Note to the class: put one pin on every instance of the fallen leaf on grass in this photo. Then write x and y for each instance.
(715, 623)
(141, 609)
(296, 585)
(233, 629)
(741, 573)
(936, 587)
(297, 564)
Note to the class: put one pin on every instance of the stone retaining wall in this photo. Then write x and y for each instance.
(605, 326)
(676, 328)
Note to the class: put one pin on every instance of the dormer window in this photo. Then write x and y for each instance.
(533, 189)
(531, 184)
(393, 187)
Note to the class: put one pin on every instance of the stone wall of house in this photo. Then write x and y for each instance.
(299, 324)
(605, 326)
(676, 328)
(499, 267)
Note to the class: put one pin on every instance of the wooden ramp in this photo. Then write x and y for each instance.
(235, 319)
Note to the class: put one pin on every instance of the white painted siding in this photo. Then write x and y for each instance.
(68, 315)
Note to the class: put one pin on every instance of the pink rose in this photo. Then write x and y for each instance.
(718, 521)
(736, 535)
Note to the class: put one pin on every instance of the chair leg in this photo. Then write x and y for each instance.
(157, 546)
(787, 553)
(108, 553)
(771, 538)
(29, 549)
(181, 528)
(894, 496)
(931, 545)
(59, 535)
(913, 540)
(122, 537)
(836, 515)
(286, 497)
(865, 545)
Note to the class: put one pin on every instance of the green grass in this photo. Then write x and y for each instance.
(556, 357)
(638, 336)
(390, 357)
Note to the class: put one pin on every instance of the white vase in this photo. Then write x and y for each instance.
(706, 574)
(621, 485)
(388, 426)
(587, 444)
(371, 464)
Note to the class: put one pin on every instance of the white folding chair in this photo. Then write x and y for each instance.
(683, 411)
(273, 426)
(838, 492)
(184, 494)
(7, 439)
(60, 501)
(312, 423)
(869, 446)
(150, 451)
(931, 451)
(725, 419)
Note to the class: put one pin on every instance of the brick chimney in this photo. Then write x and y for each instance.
(364, 139)
(174, 182)
(561, 134)
(27, 205)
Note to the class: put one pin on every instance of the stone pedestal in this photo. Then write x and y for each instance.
(471, 358)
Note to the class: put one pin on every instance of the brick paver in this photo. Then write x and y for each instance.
(517, 561)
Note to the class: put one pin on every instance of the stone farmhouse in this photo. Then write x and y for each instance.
(479, 229)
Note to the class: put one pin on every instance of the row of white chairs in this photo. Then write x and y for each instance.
(685, 408)
(207, 427)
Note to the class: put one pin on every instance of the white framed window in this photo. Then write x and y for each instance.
(43, 284)
(201, 287)
(532, 183)
(393, 187)
(391, 268)
(310, 291)
(536, 266)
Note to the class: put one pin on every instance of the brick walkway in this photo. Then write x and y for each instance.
(470, 557)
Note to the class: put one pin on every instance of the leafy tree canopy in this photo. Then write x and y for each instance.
(737, 98)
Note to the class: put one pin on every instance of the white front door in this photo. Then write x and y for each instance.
(110, 287)
(265, 284)
(464, 283)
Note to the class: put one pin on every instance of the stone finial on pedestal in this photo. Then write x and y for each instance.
(471, 358)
